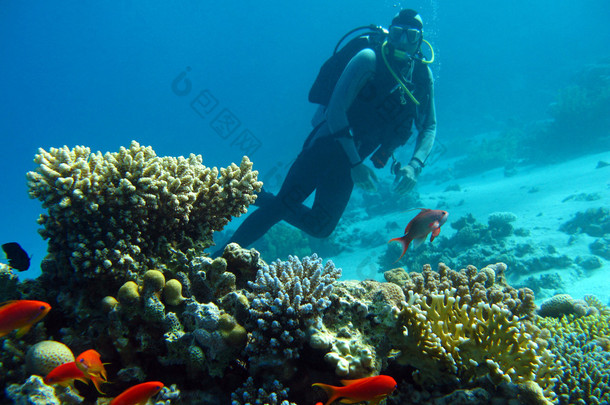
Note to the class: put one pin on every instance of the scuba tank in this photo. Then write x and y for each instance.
(323, 86)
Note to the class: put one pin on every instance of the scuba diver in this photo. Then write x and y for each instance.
(381, 92)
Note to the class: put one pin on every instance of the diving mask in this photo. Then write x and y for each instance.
(410, 35)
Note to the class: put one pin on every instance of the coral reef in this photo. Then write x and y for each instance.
(114, 214)
(271, 394)
(601, 247)
(581, 342)
(589, 317)
(235, 329)
(585, 367)
(8, 283)
(287, 297)
(487, 285)
(546, 281)
(447, 330)
(35, 392)
(167, 395)
(461, 324)
(563, 304)
(282, 241)
(441, 336)
(594, 222)
(351, 335)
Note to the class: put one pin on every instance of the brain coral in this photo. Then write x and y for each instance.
(44, 356)
(112, 213)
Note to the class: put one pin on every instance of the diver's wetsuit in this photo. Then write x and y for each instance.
(322, 168)
(380, 120)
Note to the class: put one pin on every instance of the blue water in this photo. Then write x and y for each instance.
(100, 74)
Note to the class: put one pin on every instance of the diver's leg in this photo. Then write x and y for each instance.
(334, 186)
(297, 186)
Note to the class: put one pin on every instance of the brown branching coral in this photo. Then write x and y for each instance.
(113, 214)
(472, 286)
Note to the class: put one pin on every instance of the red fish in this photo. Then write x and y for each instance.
(90, 363)
(138, 394)
(21, 315)
(65, 374)
(425, 222)
(372, 389)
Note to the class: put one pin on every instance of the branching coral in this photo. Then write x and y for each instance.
(286, 298)
(581, 342)
(111, 213)
(444, 338)
(472, 286)
(585, 364)
(273, 393)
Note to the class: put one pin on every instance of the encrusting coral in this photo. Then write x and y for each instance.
(35, 391)
(353, 332)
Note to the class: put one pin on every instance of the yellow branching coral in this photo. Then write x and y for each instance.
(445, 338)
(113, 214)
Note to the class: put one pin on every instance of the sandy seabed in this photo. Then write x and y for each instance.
(541, 197)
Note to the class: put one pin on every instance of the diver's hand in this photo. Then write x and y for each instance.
(407, 181)
(364, 177)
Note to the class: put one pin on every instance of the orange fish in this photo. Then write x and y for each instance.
(425, 222)
(138, 394)
(372, 389)
(90, 363)
(21, 314)
(65, 374)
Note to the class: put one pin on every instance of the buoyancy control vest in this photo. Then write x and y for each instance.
(382, 114)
